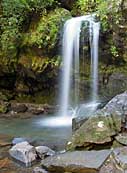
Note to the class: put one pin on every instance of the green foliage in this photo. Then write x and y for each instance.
(12, 17)
(45, 34)
(114, 51)
(106, 10)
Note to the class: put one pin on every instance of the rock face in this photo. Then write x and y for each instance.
(116, 83)
(23, 152)
(76, 162)
(44, 151)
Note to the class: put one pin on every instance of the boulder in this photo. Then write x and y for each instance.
(97, 130)
(120, 157)
(24, 152)
(44, 151)
(18, 140)
(122, 138)
(76, 161)
(110, 167)
(117, 104)
(39, 170)
(35, 109)
(18, 107)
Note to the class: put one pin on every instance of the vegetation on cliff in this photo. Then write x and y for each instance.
(31, 32)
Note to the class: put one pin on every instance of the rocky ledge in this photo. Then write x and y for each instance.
(42, 159)
(105, 128)
(25, 110)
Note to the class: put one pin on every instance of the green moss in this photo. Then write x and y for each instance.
(46, 34)
(13, 16)
(90, 133)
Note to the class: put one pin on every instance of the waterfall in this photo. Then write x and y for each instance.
(71, 45)
(94, 39)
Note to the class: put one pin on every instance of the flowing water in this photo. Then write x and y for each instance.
(35, 129)
(71, 48)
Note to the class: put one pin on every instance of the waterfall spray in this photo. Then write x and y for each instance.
(71, 45)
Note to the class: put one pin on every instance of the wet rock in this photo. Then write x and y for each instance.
(77, 161)
(24, 152)
(120, 157)
(117, 104)
(18, 107)
(35, 109)
(18, 140)
(110, 167)
(96, 130)
(122, 138)
(41, 108)
(44, 151)
(39, 170)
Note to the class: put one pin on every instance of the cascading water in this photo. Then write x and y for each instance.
(71, 41)
(94, 39)
(71, 46)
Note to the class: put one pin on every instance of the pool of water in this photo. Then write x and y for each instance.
(37, 129)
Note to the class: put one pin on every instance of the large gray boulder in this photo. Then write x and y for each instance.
(76, 161)
(117, 104)
(24, 152)
(44, 151)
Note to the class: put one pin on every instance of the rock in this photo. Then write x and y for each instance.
(120, 157)
(76, 161)
(121, 138)
(24, 152)
(96, 130)
(115, 83)
(44, 151)
(39, 170)
(4, 163)
(19, 140)
(117, 104)
(18, 107)
(110, 167)
(36, 109)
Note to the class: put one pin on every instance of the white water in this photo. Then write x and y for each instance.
(94, 36)
(71, 45)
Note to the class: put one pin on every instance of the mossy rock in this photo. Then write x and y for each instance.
(96, 130)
